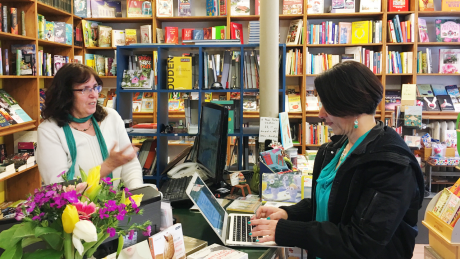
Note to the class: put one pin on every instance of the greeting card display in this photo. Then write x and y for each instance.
(282, 186)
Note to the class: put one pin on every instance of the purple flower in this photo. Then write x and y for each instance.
(19, 214)
(103, 214)
(38, 217)
(71, 196)
(112, 190)
(107, 180)
(31, 207)
(134, 205)
(131, 234)
(111, 205)
(61, 174)
(111, 232)
(127, 192)
(121, 215)
(147, 231)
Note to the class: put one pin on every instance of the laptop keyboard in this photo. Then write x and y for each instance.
(174, 189)
(241, 229)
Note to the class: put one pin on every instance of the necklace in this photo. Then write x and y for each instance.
(90, 124)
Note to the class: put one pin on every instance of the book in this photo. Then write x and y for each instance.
(27, 61)
(23, 23)
(240, 7)
(447, 30)
(371, 6)
(315, 6)
(105, 36)
(89, 60)
(221, 32)
(49, 28)
(438, 89)
(413, 116)
(146, 33)
(80, 8)
(452, 90)
(223, 7)
(118, 38)
(160, 36)
(197, 35)
(59, 32)
(218, 251)
(164, 8)
(100, 65)
(392, 98)
(431, 103)
(360, 32)
(293, 34)
(147, 102)
(68, 34)
(292, 6)
(187, 34)
(426, 5)
(422, 30)
(102, 8)
(185, 8)
(285, 187)
(139, 250)
(130, 36)
(445, 102)
(249, 206)
(138, 8)
(424, 90)
(236, 31)
(172, 35)
(448, 61)
(41, 26)
(168, 243)
(14, 20)
(5, 19)
(137, 79)
(193, 245)
(179, 73)
(345, 32)
(294, 103)
(90, 35)
(398, 5)
(450, 5)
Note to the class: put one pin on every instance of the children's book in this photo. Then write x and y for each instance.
(80, 8)
(450, 209)
(413, 116)
(344, 32)
(315, 6)
(249, 206)
(137, 79)
(424, 90)
(442, 200)
(59, 32)
(281, 187)
(293, 34)
(137, 102)
(439, 89)
(130, 36)
(240, 7)
(274, 160)
(172, 35)
(371, 6)
(447, 30)
(68, 34)
(422, 30)
(147, 102)
(139, 8)
(146, 33)
(449, 61)
(185, 8)
(164, 8)
(118, 38)
(49, 30)
(452, 90)
(293, 6)
(90, 35)
(450, 5)
(445, 103)
(100, 65)
(105, 36)
(160, 35)
(168, 243)
(426, 5)
(236, 31)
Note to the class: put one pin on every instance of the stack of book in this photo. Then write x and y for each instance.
(254, 32)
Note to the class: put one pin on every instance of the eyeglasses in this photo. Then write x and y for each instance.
(97, 89)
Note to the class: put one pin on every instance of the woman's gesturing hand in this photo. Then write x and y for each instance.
(118, 158)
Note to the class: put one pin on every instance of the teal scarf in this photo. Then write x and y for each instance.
(73, 147)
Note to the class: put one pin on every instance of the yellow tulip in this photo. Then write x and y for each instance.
(69, 218)
(137, 199)
(94, 176)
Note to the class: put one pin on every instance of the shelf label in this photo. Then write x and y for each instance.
(269, 129)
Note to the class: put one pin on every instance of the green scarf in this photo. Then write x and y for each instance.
(73, 147)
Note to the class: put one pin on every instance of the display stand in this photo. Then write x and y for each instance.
(443, 238)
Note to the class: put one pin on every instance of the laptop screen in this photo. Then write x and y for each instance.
(208, 205)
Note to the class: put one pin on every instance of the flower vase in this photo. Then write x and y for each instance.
(275, 192)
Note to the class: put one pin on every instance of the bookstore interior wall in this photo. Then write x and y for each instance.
(25, 88)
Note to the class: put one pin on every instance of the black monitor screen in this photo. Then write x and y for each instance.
(209, 139)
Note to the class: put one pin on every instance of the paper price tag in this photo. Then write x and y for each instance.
(269, 129)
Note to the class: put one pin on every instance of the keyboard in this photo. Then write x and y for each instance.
(241, 229)
(174, 189)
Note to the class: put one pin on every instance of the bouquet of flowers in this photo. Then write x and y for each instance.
(73, 220)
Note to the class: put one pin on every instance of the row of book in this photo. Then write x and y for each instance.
(359, 32)
(294, 64)
(105, 36)
(316, 64)
(447, 30)
(317, 134)
(10, 111)
(65, 5)
(402, 31)
(399, 62)
(447, 205)
(9, 20)
(104, 66)
(59, 32)
(105, 9)
(49, 64)
(448, 61)
(254, 32)
(22, 58)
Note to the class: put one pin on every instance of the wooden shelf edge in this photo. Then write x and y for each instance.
(52, 43)
(4, 178)
(10, 36)
(17, 127)
(52, 9)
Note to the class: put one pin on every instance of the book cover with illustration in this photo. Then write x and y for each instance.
(449, 61)
(49, 31)
(130, 36)
(100, 65)
(168, 244)
(315, 6)
(139, 251)
(249, 206)
(146, 33)
(90, 35)
(172, 35)
(426, 5)
(392, 98)
(424, 90)
(371, 6)
(282, 187)
(68, 34)
(293, 34)
(240, 7)
(164, 8)
(438, 89)
(138, 8)
(147, 102)
(445, 103)
(274, 160)
(431, 103)
(137, 79)
(413, 116)
(441, 202)
(293, 6)
(236, 31)
(452, 90)
(14, 20)
(423, 30)
(185, 8)
(137, 102)
(450, 5)
(80, 8)
(118, 38)
(215, 251)
(105, 36)
(447, 30)
(59, 32)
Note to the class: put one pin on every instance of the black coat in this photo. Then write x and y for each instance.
(372, 206)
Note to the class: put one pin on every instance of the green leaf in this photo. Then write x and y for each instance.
(7, 239)
(30, 240)
(83, 174)
(54, 240)
(25, 230)
(42, 254)
(39, 231)
(121, 241)
(15, 252)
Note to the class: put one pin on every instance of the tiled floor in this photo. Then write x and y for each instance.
(418, 251)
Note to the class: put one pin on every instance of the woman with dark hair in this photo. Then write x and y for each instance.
(78, 132)
(367, 184)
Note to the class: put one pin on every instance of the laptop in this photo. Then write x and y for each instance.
(233, 228)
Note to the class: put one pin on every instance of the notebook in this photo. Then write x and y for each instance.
(233, 228)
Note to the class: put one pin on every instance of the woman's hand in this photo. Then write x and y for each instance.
(117, 158)
(270, 212)
(265, 228)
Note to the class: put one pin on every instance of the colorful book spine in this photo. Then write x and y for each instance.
(7, 67)
(23, 23)
(5, 19)
(14, 20)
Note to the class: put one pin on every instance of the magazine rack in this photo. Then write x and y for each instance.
(443, 238)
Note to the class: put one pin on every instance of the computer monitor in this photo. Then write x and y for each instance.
(212, 140)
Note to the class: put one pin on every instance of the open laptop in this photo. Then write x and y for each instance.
(232, 229)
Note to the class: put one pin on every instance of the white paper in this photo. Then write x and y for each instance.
(286, 138)
(269, 129)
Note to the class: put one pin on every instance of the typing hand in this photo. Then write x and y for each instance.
(271, 213)
(265, 228)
